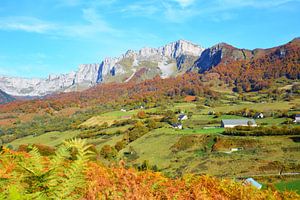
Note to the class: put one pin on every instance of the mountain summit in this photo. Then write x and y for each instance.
(166, 61)
(173, 59)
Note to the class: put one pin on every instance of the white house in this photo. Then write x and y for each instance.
(236, 149)
(251, 181)
(182, 117)
(123, 110)
(258, 116)
(297, 118)
(231, 123)
(177, 126)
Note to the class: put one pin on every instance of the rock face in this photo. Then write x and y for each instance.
(166, 61)
(5, 98)
(146, 63)
(211, 57)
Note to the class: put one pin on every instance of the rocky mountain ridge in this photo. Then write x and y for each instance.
(170, 60)
(5, 98)
(152, 61)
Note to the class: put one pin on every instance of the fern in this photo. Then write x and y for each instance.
(57, 179)
(73, 178)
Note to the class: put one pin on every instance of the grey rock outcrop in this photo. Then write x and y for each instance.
(165, 61)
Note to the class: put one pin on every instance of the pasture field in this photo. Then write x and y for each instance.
(291, 185)
(109, 118)
(50, 139)
(280, 105)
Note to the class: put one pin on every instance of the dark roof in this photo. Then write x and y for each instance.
(297, 115)
(237, 122)
(176, 124)
(181, 115)
(258, 113)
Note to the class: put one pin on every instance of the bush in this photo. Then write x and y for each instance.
(43, 149)
(108, 152)
(262, 131)
(141, 114)
(120, 145)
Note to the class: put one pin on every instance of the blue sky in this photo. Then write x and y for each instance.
(41, 37)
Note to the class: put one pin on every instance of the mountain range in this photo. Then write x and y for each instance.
(167, 61)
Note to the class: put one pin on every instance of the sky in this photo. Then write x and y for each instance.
(42, 37)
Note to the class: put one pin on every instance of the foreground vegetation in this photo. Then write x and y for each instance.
(141, 131)
(69, 174)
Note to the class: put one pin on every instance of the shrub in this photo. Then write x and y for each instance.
(108, 152)
(43, 149)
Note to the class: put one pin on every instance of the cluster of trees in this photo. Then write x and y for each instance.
(262, 131)
(149, 91)
(67, 176)
(258, 72)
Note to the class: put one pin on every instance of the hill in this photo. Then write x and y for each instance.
(255, 70)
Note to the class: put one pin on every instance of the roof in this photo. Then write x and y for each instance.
(176, 124)
(181, 116)
(238, 122)
(258, 113)
(297, 115)
(190, 98)
(254, 183)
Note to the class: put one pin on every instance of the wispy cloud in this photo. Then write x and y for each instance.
(28, 24)
(91, 25)
(180, 11)
(94, 25)
(185, 3)
(232, 4)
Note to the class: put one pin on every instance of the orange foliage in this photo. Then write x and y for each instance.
(116, 93)
(117, 182)
(121, 183)
(190, 98)
(257, 72)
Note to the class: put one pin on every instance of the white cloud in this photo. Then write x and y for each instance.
(92, 25)
(27, 24)
(185, 3)
(232, 4)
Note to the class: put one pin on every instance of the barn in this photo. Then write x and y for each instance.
(231, 123)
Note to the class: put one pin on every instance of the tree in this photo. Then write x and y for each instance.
(250, 123)
(108, 152)
(141, 114)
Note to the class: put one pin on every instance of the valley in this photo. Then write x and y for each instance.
(143, 136)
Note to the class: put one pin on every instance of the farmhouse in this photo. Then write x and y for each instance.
(258, 116)
(231, 123)
(251, 181)
(182, 117)
(177, 126)
(297, 118)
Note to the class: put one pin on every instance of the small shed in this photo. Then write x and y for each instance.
(258, 116)
(297, 118)
(231, 123)
(177, 126)
(251, 181)
(236, 149)
(182, 117)
(123, 110)
(190, 98)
